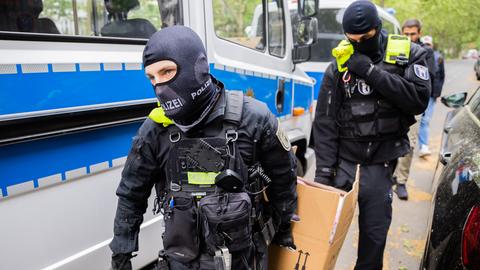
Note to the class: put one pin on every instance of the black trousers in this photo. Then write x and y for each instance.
(246, 260)
(375, 205)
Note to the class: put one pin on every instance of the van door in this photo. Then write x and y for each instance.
(247, 49)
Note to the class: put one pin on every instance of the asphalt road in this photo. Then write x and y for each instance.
(406, 237)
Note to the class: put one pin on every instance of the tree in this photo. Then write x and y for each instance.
(452, 23)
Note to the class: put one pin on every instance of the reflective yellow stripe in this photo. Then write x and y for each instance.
(342, 53)
(398, 49)
(158, 116)
(202, 178)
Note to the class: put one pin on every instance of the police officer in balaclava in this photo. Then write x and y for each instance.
(363, 116)
(211, 154)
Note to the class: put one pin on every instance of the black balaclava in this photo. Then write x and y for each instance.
(359, 18)
(188, 97)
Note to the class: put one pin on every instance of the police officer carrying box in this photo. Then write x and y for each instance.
(366, 104)
(215, 157)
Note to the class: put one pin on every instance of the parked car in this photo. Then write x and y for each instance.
(453, 237)
(471, 54)
(476, 67)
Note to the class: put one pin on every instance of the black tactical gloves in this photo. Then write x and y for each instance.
(359, 64)
(121, 261)
(284, 237)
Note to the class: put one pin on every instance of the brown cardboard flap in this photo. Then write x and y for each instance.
(325, 216)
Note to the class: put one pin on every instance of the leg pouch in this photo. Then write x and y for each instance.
(226, 219)
(181, 239)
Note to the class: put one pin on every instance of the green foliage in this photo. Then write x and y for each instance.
(452, 23)
(149, 10)
(232, 16)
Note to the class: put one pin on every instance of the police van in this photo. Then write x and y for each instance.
(330, 33)
(73, 93)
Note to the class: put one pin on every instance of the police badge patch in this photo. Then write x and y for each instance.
(282, 137)
(363, 88)
(421, 72)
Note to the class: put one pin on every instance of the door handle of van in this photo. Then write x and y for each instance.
(280, 96)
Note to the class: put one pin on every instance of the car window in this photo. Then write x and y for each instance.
(475, 99)
(241, 22)
(108, 18)
(276, 28)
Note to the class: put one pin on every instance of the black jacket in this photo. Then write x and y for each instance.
(406, 91)
(146, 164)
(439, 77)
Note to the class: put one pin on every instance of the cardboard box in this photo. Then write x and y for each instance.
(325, 216)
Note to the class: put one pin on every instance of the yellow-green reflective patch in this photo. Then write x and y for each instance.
(398, 49)
(201, 178)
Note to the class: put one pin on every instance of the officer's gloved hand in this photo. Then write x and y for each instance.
(121, 261)
(284, 237)
(359, 64)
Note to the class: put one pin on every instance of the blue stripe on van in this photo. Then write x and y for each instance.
(264, 89)
(303, 96)
(27, 92)
(318, 76)
(29, 161)
(40, 158)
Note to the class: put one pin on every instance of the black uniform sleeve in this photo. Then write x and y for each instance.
(430, 60)
(280, 165)
(439, 78)
(325, 129)
(138, 177)
(409, 93)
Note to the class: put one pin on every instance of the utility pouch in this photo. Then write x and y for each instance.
(226, 219)
(363, 115)
(181, 238)
(389, 121)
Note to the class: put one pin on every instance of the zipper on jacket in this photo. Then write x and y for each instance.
(329, 102)
(368, 150)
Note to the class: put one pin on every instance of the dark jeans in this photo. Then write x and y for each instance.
(375, 204)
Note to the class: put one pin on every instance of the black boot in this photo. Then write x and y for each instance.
(401, 191)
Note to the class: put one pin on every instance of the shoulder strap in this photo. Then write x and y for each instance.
(234, 108)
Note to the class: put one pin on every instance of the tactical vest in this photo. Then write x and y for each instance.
(195, 164)
(365, 115)
(208, 205)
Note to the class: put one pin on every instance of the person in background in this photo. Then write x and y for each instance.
(413, 29)
(437, 85)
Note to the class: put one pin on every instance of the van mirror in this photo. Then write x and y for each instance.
(307, 8)
(306, 31)
(455, 100)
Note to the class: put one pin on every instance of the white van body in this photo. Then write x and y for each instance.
(70, 104)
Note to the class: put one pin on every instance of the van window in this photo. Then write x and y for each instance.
(276, 28)
(108, 18)
(388, 26)
(330, 33)
(241, 22)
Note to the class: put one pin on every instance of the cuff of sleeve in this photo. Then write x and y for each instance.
(373, 76)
